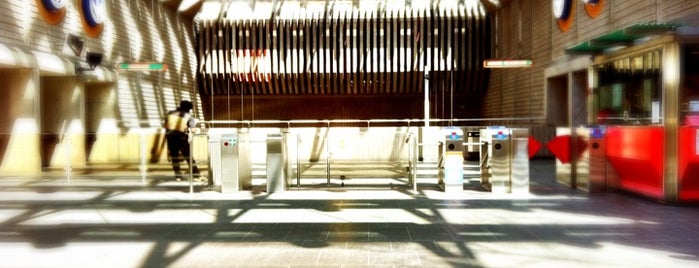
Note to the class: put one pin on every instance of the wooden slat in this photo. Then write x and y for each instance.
(258, 45)
(328, 59)
(286, 38)
(361, 54)
(394, 45)
(342, 49)
(218, 78)
(315, 77)
(384, 81)
(356, 47)
(322, 49)
(282, 55)
(233, 31)
(332, 57)
(227, 54)
(370, 34)
(205, 58)
(275, 52)
(307, 57)
(441, 45)
(261, 46)
(433, 45)
(298, 81)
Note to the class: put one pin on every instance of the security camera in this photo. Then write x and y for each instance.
(93, 59)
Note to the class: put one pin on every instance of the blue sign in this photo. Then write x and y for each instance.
(501, 135)
(561, 9)
(597, 132)
(53, 5)
(94, 11)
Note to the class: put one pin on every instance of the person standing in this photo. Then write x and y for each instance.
(178, 123)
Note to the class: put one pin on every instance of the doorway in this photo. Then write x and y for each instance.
(61, 122)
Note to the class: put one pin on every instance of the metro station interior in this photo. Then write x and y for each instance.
(356, 133)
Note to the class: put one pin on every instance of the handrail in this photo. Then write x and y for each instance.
(368, 122)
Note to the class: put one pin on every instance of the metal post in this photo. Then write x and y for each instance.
(451, 99)
(427, 97)
(327, 154)
(66, 146)
(409, 142)
(413, 146)
(298, 162)
(190, 138)
(142, 156)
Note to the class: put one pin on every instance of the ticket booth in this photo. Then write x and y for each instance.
(646, 96)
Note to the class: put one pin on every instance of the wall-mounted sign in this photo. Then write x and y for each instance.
(54, 5)
(593, 7)
(507, 63)
(142, 66)
(52, 11)
(563, 11)
(93, 13)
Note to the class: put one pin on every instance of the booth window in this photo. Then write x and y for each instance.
(689, 98)
(629, 92)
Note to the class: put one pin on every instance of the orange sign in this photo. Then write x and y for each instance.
(564, 12)
(52, 11)
(593, 7)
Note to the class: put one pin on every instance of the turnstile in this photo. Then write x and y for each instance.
(235, 163)
(564, 169)
(451, 174)
(593, 173)
(278, 164)
(520, 161)
(508, 160)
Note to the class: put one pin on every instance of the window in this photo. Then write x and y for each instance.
(628, 92)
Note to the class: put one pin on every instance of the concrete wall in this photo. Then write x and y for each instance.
(527, 29)
(100, 110)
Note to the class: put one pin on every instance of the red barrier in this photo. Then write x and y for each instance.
(688, 164)
(560, 147)
(638, 156)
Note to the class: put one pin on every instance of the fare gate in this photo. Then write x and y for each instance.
(235, 165)
(505, 168)
(278, 156)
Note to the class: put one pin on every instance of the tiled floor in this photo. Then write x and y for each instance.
(117, 221)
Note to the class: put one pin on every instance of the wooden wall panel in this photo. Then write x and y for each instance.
(546, 43)
(372, 53)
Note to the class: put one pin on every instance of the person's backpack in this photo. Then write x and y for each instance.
(177, 121)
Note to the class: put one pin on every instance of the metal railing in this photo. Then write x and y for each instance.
(367, 122)
(412, 141)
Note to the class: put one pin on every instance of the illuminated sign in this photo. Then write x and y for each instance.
(593, 7)
(507, 63)
(142, 66)
(52, 11)
(53, 5)
(563, 11)
(93, 13)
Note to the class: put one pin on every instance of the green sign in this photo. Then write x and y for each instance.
(142, 66)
